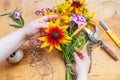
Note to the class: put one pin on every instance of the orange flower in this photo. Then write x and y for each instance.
(77, 5)
(55, 36)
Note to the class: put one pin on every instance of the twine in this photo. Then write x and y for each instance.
(71, 69)
(43, 66)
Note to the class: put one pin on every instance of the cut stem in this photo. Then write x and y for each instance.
(78, 30)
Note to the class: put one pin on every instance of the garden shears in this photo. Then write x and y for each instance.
(93, 40)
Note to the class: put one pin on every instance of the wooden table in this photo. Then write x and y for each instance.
(103, 67)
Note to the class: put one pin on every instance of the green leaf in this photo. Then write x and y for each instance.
(70, 31)
(18, 21)
(5, 14)
(16, 26)
(15, 10)
(11, 14)
(87, 17)
(22, 20)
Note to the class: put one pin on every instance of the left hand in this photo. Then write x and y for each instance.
(33, 28)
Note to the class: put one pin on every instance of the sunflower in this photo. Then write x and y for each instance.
(77, 6)
(63, 7)
(55, 36)
(65, 19)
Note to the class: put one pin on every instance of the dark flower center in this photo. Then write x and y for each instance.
(55, 35)
(76, 4)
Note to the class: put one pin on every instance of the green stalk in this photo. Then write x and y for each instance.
(5, 14)
(68, 74)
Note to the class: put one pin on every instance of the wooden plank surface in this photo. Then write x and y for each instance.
(103, 68)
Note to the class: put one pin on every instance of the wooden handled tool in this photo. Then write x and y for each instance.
(110, 52)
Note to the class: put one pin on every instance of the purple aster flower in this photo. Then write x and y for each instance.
(78, 19)
(38, 42)
(82, 18)
(16, 15)
(44, 10)
(47, 9)
(41, 13)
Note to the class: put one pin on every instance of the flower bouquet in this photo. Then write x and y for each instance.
(66, 32)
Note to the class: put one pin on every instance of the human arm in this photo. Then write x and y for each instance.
(14, 40)
(82, 63)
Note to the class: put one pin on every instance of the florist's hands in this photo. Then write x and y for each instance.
(82, 63)
(33, 28)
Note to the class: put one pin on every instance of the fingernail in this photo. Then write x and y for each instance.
(74, 54)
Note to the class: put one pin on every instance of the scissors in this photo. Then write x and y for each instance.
(93, 40)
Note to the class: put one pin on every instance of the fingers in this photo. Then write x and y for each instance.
(46, 18)
(43, 22)
(82, 55)
(76, 58)
(45, 25)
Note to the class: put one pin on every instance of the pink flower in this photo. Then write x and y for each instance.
(38, 42)
(16, 15)
(78, 19)
(44, 10)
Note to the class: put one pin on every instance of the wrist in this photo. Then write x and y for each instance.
(82, 77)
(24, 34)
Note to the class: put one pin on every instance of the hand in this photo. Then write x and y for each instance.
(33, 28)
(82, 63)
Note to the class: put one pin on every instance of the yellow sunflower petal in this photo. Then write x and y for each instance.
(71, 8)
(38, 16)
(45, 44)
(64, 41)
(68, 38)
(51, 48)
(51, 24)
(42, 38)
(47, 30)
(91, 15)
(83, 1)
(64, 28)
(76, 10)
(57, 22)
(66, 19)
(58, 47)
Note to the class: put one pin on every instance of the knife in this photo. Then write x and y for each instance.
(108, 31)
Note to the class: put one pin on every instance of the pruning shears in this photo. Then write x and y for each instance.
(93, 40)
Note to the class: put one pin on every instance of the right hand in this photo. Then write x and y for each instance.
(82, 63)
